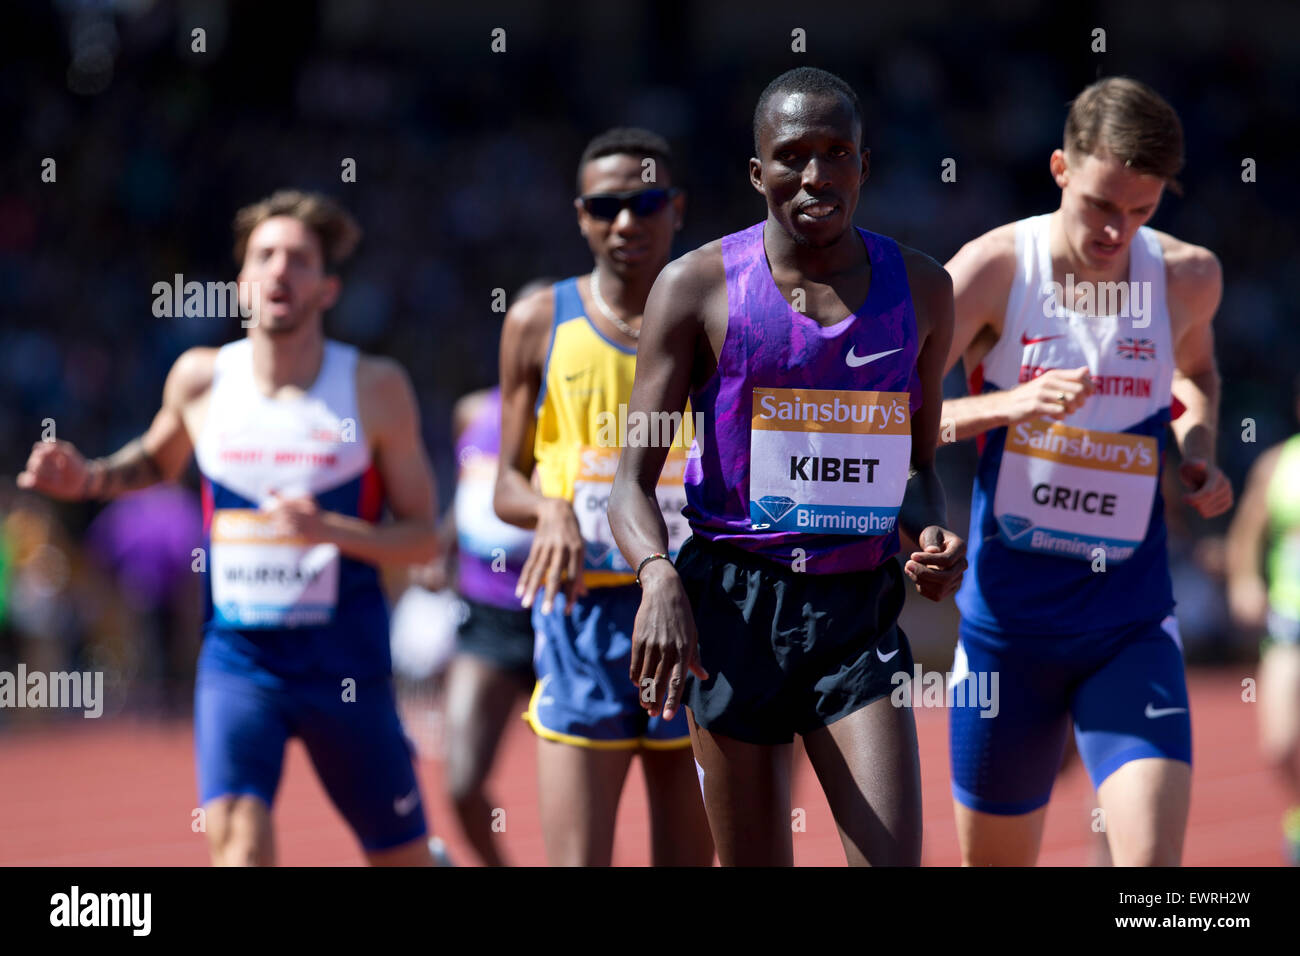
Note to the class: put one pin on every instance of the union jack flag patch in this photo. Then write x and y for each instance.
(1144, 349)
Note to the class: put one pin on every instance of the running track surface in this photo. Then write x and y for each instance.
(121, 793)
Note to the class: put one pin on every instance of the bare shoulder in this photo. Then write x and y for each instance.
(931, 289)
(694, 277)
(384, 385)
(191, 375)
(924, 273)
(1193, 273)
(983, 271)
(528, 321)
(988, 258)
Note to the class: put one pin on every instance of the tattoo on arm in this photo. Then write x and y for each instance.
(129, 469)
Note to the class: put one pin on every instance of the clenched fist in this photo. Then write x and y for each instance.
(56, 469)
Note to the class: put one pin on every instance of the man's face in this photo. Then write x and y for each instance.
(811, 166)
(1103, 204)
(284, 258)
(631, 244)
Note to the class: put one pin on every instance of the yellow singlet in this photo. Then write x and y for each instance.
(582, 422)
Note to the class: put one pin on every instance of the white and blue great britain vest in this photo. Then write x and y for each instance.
(1049, 497)
(278, 603)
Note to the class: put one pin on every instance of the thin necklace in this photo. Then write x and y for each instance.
(609, 313)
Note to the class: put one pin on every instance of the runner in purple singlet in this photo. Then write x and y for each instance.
(814, 352)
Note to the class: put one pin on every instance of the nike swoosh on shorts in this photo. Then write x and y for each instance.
(1153, 712)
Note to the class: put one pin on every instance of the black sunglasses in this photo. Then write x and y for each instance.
(642, 202)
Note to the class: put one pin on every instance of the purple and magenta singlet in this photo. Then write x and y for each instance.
(491, 552)
(807, 429)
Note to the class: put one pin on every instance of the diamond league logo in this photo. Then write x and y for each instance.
(1013, 526)
(776, 507)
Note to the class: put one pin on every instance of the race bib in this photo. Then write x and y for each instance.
(828, 461)
(262, 579)
(1069, 491)
(595, 480)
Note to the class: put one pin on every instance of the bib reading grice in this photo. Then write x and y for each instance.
(1069, 491)
(1092, 483)
(828, 460)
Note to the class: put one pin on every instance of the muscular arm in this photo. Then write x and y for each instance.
(1195, 287)
(163, 452)
(160, 454)
(671, 333)
(982, 274)
(556, 554)
(1195, 290)
(391, 417)
(524, 340)
(923, 502)
(939, 556)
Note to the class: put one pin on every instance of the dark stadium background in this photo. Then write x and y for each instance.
(465, 166)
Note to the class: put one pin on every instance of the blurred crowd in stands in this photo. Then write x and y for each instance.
(465, 162)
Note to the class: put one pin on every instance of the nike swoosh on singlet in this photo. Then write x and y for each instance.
(1026, 340)
(886, 657)
(852, 361)
(1153, 712)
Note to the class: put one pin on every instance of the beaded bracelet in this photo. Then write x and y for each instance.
(646, 560)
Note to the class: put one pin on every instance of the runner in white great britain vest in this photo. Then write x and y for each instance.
(1086, 337)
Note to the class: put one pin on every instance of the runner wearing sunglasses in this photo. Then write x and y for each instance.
(643, 203)
(568, 356)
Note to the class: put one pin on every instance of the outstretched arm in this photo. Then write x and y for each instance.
(59, 470)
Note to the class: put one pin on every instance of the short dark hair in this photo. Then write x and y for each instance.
(1125, 118)
(806, 79)
(630, 141)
